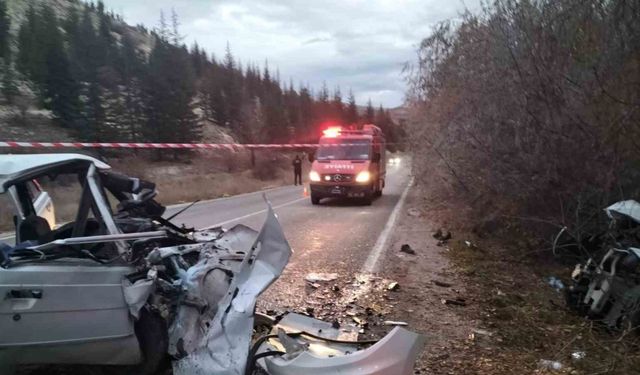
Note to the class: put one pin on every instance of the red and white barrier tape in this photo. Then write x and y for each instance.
(228, 146)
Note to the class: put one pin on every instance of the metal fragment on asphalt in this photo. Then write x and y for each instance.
(314, 277)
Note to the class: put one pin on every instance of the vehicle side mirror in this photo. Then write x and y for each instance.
(311, 157)
(377, 157)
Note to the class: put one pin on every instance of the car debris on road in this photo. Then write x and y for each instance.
(393, 286)
(314, 277)
(124, 286)
(406, 248)
(456, 302)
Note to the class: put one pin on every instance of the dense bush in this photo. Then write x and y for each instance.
(531, 107)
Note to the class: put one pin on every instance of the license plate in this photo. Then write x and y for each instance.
(336, 190)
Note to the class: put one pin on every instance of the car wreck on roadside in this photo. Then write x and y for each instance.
(609, 290)
(122, 285)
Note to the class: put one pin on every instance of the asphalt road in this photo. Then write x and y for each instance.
(338, 236)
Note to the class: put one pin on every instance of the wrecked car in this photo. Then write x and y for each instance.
(122, 285)
(609, 290)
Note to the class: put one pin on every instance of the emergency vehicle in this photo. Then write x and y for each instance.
(348, 163)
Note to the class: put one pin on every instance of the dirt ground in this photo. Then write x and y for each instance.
(426, 279)
(511, 322)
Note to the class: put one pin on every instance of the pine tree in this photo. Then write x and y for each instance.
(76, 40)
(322, 108)
(266, 78)
(163, 28)
(131, 70)
(293, 112)
(5, 38)
(169, 89)
(199, 60)
(176, 38)
(370, 113)
(106, 42)
(337, 106)
(351, 115)
(9, 87)
(232, 88)
(308, 119)
(100, 8)
(215, 106)
(31, 48)
(95, 129)
(380, 117)
(60, 88)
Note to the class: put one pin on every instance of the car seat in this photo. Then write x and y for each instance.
(35, 228)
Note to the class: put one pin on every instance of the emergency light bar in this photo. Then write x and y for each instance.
(368, 129)
(332, 132)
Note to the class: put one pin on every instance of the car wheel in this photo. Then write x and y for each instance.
(315, 200)
(368, 198)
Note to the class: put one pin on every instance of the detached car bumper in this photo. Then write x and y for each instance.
(349, 191)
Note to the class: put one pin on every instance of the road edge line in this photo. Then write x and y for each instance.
(371, 264)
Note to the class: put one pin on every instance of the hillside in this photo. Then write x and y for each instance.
(82, 70)
(25, 118)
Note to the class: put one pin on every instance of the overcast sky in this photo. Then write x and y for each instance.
(356, 44)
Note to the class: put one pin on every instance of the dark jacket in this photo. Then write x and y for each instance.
(297, 164)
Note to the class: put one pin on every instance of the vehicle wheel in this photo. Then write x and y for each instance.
(368, 198)
(315, 200)
(378, 192)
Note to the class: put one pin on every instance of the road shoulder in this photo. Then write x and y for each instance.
(426, 278)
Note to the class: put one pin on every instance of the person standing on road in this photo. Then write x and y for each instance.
(297, 170)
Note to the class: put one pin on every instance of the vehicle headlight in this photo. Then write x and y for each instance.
(363, 176)
(314, 176)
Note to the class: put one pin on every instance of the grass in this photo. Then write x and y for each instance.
(530, 318)
(191, 188)
(209, 176)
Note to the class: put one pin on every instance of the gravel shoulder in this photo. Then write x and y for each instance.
(426, 278)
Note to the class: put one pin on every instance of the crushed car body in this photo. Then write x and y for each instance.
(609, 290)
(121, 285)
(313, 347)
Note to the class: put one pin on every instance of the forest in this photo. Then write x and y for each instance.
(104, 80)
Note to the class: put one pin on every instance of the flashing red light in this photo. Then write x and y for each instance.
(332, 132)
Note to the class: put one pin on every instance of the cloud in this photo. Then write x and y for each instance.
(358, 44)
(318, 40)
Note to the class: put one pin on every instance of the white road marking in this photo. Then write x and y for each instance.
(371, 264)
(180, 205)
(254, 213)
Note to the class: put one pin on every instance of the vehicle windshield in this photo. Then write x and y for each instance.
(335, 149)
